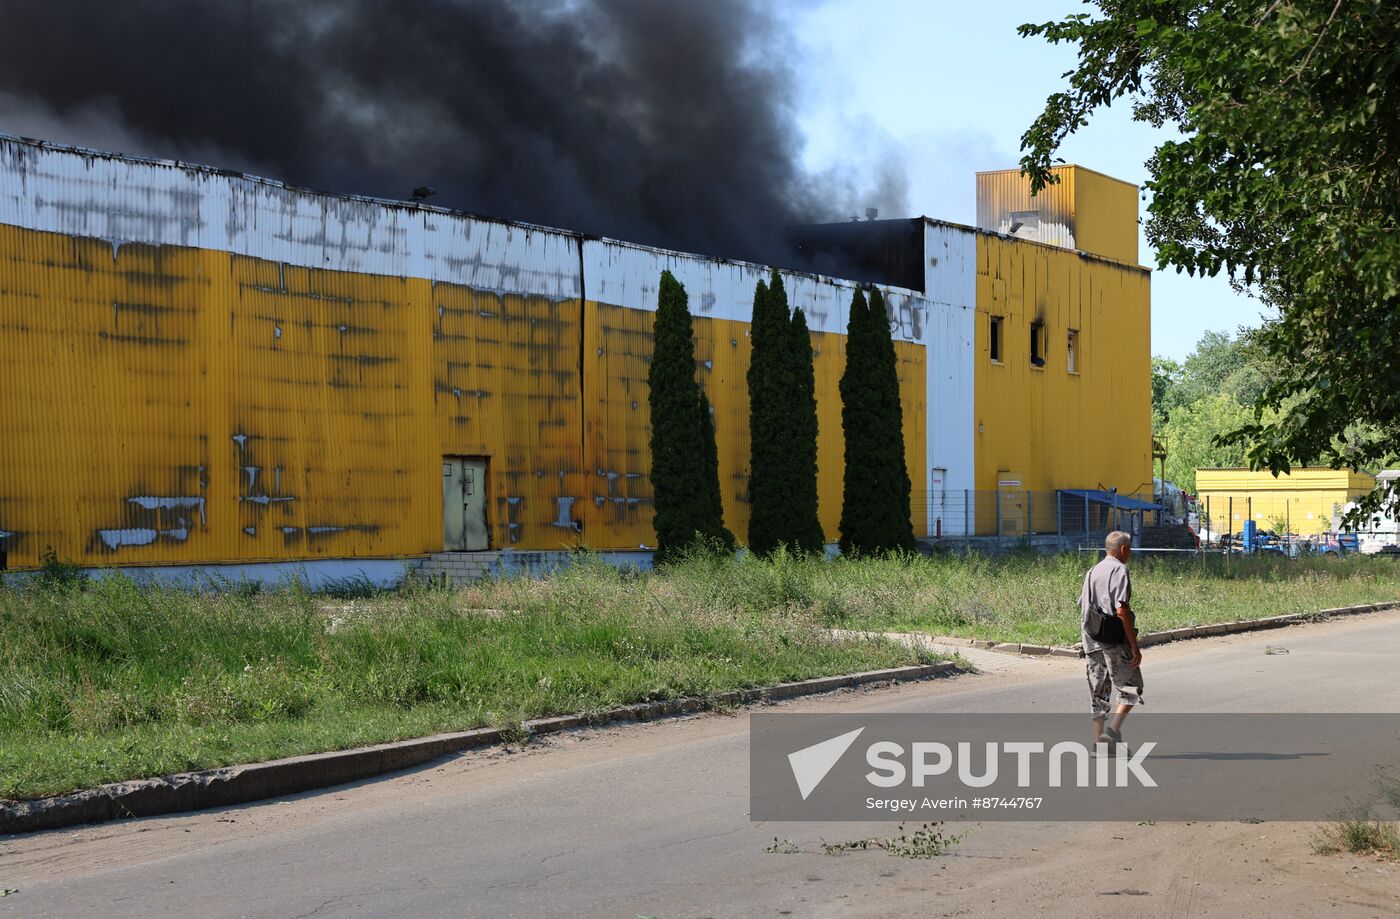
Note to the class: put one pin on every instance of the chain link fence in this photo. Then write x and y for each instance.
(1015, 514)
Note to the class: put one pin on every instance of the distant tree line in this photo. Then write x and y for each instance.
(783, 431)
(1208, 394)
(1197, 403)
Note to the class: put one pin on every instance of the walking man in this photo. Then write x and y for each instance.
(1111, 654)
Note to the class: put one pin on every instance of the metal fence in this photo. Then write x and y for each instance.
(1009, 514)
(1283, 523)
(1221, 516)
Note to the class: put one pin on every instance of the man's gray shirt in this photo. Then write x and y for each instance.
(1107, 586)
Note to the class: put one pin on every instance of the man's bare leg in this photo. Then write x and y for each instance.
(1098, 728)
(1119, 714)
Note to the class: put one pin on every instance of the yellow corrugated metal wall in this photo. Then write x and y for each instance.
(505, 386)
(1305, 499)
(1060, 429)
(1084, 210)
(1004, 191)
(1105, 215)
(168, 404)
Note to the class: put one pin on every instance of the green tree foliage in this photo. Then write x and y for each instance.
(720, 537)
(1285, 176)
(1208, 395)
(858, 416)
(769, 511)
(684, 461)
(894, 472)
(875, 485)
(782, 427)
(1191, 437)
(807, 534)
(1166, 373)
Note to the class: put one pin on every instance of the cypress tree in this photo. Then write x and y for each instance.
(807, 535)
(684, 480)
(769, 493)
(717, 533)
(897, 530)
(858, 415)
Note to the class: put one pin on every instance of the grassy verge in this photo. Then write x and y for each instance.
(1031, 598)
(108, 681)
(111, 681)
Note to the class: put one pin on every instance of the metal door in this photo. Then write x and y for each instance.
(464, 504)
(1011, 504)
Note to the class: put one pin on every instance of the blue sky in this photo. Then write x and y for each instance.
(949, 88)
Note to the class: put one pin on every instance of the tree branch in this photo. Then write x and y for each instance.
(1321, 35)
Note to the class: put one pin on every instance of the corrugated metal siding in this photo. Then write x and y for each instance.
(204, 367)
(1006, 191)
(201, 366)
(1305, 499)
(949, 334)
(506, 385)
(122, 199)
(1302, 479)
(168, 404)
(1106, 215)
(1085, 210)
(1060, 429)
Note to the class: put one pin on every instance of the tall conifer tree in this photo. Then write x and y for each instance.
(718, 534)
(807, 535)
(859, 413)
(769, 516)
(684, 478)
(897, 531)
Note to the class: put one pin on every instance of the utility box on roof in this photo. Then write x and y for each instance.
(1085, 210)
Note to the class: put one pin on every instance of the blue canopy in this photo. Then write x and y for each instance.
(1122, 502)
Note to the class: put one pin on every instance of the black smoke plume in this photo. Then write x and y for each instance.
(668, 122)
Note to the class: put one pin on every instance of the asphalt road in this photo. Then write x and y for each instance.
(651, 820)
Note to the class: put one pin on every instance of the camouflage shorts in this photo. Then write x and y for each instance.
(1109, 668)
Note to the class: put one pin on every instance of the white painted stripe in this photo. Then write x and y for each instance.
(624, 274)
(130, 200)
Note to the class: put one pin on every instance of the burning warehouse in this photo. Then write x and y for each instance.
(204, 368)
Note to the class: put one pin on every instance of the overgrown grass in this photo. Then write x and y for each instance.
(1029, 597)
(1359, 836)
(1358, 831)
(109, 680)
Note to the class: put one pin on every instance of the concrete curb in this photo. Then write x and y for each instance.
(1160, 638)
(1258, 625)
(1007, 647)
(274, 779)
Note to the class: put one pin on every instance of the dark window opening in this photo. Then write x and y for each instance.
(1037, 342)
(1024, 220)
(995, 338)
(1072, 353)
